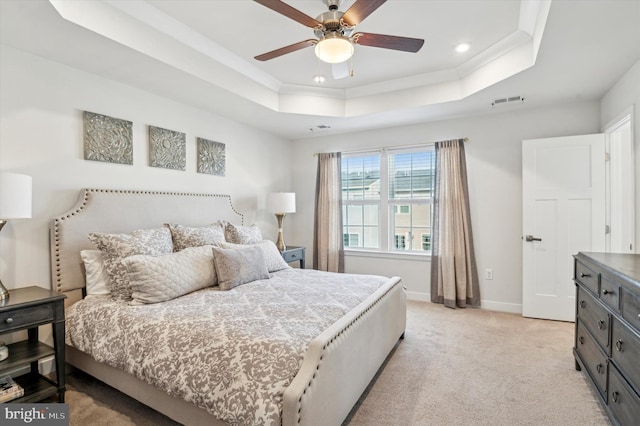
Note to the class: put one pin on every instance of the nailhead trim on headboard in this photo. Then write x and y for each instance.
(87, 191)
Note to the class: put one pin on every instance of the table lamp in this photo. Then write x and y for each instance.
(281, 203)
(15, 203)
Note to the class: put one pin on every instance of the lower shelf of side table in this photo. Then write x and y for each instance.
(36, 386)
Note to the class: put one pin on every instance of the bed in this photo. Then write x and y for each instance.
(337, 359)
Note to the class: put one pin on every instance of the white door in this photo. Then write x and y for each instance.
(563, 187)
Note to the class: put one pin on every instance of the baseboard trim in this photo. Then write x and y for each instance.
(513, 308)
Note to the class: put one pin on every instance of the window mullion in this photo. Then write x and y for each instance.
(384, 216)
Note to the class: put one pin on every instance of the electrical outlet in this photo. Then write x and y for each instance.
(488, 274)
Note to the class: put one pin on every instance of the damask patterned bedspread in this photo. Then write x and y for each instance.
(232, 352)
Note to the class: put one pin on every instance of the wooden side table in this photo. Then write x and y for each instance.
(294, 254)
(27, 309)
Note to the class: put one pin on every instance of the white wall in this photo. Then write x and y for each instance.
(623, 94)
(495, 186)
(41, 134)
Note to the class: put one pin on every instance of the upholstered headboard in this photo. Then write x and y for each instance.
(118, 211)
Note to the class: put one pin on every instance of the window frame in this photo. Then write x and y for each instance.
(386, 225)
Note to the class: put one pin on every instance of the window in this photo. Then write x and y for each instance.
(361, 200)
(426, 242)
(400, 242)
(351, 240)
(386, 199)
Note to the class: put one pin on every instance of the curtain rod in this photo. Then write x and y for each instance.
(315, 154)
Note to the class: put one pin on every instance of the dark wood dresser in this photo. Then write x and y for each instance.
(607, 338)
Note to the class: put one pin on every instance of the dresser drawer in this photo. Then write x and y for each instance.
(594, 316)
(26, 317)
(623, 401)
(587, 277)
(631, 308)
(610, 294)
(625, 350)
(594, 360)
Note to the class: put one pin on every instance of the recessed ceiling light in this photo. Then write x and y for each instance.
(462, 47)
(318, 78)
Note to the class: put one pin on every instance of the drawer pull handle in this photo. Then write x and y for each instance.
(600, 368)
(581, 340)
(605, 291)
(9, 320)
(614, 396)
(583, 275)
(601, 325)
(619, 345)
(583, 304)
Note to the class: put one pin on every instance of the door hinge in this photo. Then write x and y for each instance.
(607, 229)
(606, 156)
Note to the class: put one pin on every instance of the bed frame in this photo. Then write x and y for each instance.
(338, 365)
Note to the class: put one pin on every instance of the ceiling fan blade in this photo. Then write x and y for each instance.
(290, 12)
(405, 44)
(285, 50)
(340, 70)
(360, 10)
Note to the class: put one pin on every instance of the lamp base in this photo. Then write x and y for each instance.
(280, 242)
(4, 293)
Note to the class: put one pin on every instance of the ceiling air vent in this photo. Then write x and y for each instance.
(506, 101)
(319, 127)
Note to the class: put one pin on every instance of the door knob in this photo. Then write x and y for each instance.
(530, 238)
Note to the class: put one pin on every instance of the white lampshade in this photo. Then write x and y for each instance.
(281, 202)
(334, 49)
(15, 196)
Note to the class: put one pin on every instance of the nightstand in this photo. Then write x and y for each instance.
(294, 254)
(26, 309)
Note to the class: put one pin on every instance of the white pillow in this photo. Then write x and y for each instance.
(96, 276)
(156, 279)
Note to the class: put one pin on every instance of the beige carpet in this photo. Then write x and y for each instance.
(455, 367)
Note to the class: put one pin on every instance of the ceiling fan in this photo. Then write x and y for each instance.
(334, 31)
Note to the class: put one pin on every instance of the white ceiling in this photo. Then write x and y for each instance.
(201, 52)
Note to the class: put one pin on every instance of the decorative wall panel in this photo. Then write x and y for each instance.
(211, 157)
(167, 149)
(107, 139)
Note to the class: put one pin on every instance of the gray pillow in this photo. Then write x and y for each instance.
(235, 266)
(184, 236)
(116, 247)
(272, 255)
(238, 234)
(156, 279)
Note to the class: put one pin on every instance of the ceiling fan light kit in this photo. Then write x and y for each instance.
(333, 29)
(334, 49)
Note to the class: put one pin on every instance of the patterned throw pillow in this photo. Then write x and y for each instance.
(237, 266)
(184, 236)
(242, 234)
(272, 255)
(115, 247)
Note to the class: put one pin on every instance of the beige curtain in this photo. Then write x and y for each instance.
(454, 275)
(328, 249)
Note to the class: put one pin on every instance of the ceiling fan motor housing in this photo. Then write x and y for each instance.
(331, 24)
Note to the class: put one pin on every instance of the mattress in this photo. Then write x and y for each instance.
(232, 353)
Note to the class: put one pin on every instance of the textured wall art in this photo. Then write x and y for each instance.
(211, 157)
(167, 149)
(107, 139)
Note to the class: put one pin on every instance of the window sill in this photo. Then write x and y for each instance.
(387, 255)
